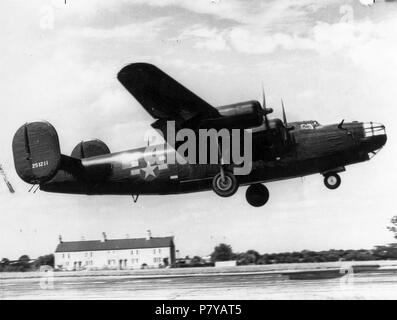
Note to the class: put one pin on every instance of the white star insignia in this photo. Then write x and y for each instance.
(149, 170)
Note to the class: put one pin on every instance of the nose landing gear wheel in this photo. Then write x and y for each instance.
(332, 180)
(225, 187)
(257, 195)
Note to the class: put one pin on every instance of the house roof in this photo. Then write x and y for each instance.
(114, 244)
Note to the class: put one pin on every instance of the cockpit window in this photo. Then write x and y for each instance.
(305, 126)
(309, 125)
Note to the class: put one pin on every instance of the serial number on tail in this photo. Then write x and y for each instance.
(39, 164)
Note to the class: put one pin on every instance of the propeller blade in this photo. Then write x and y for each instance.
(264, 107)
(9, 186)
(284, 116)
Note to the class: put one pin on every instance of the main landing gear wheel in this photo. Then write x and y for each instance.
(225, 186)
(332, 180)
(257, 195)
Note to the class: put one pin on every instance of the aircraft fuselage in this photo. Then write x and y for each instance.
(311, 149)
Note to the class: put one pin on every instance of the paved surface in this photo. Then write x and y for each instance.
(265, 285)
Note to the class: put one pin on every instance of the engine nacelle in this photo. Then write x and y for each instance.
(240, 115)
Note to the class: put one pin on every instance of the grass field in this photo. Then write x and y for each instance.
(277, 268)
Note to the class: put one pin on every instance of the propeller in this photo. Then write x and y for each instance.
(285, 118)
(266, 111)
(9, 186)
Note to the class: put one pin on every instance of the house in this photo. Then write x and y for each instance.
(149, 252)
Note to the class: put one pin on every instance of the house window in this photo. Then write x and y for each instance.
(132, 251)
(91, 254)
(159, 250)
(69, 255)
(154, 251)
(63, 255)
(136, 251)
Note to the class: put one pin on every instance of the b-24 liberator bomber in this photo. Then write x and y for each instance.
(278, 149)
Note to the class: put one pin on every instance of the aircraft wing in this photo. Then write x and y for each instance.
(163, 97)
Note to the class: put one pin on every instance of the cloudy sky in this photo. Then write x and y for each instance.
(328, 60)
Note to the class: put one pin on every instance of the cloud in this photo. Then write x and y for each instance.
(139, 31)
(251, 12)
(359, 41)
(307, 95)
(206, 38)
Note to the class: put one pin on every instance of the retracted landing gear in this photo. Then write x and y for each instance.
(257, 195)
(332, 180)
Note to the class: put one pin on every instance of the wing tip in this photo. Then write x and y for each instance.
(134, 67)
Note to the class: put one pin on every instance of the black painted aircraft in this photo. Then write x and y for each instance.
(280, 149)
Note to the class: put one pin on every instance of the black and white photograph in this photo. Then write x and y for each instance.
(198, 150)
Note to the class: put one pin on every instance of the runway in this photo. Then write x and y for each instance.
(319, 284)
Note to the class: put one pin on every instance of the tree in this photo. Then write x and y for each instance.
(23, 263)
(263, 259)
(246, 258)
(255, 254)
(222, 252)
(393, 227)
(196, 260)
(25, 258)
(4, 263)
(46, 260)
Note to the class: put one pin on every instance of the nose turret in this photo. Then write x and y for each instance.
(374, 137)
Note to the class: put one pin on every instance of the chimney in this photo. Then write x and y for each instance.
(103, 237)
(60, 239)
(148, 235)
